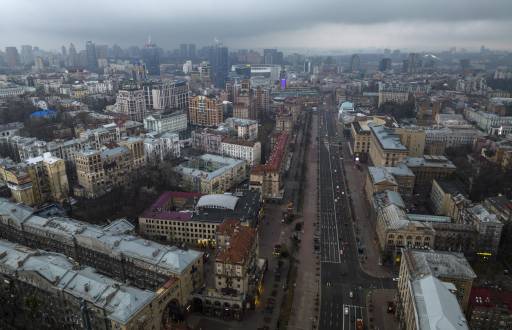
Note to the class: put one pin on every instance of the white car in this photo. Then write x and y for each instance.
(346, 310)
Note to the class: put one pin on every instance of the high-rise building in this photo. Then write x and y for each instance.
(101, 51)
(183, 50)
(27, 56)
(92, 60)
(73, 56)
(414, 63)
(205, 111)
(151, 57)
(192, 51)
(355, 63)
(272, 56)
(166, 95)
(64, 51)
(131, 103)
(219, 60)
(12, 57)
(385, 64)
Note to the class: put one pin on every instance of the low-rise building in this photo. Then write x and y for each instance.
(399, 178)
(250, 151)
(488, 226)
(193, 218)
(245, 128)
(211, 174)
(63, 295)
(360, 133)
(207, 140)
(447, 267)
(428, 168)
(449, 198)
(160, 122)
(413, 139)
(162, 147)
(501, 206)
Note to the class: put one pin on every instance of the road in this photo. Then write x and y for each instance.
(343, 283)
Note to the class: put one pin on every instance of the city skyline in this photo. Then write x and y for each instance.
(315, 26)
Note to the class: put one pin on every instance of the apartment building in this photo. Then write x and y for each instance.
(236, 258)
(37, 180)
(449, 198)
(211, 174)
(386, 149)
(428, 168)
(112, 249)
(207, 140)
(65, 296)
(205, 111)
(250, 151)
(245, 128)
(130, 103)
(99, 171)
(162, 147)
(267, 178)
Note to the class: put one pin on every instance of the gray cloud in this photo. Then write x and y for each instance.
(253, 23)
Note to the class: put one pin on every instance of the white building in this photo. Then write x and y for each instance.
(163, 147)
(160, 122)
(245, 128)
(489, 122)
(130, 102)
(241, 149)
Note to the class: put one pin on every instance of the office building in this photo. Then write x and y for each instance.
(219, 60)
(64, 295)
(162, 147)
(12, 58)
(360, 132)
(449, 198)
(193, 218)
(245, 128)
(27, 55)
(399, 179)
(385, 64)
(166, 95)
(272, 56)
(205, 111)
(429, 303)
(413, 139)
(355, 63)
(91, 57)
(150, 54)
(447, 267)
(211, 174)
(428, 168)
(386, 149)
(159, 122)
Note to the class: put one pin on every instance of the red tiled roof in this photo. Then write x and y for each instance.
(240, 243)
(276, 156)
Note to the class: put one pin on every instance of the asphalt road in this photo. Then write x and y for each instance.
(343, 281)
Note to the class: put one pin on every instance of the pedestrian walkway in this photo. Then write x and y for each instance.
(306, 300)
(378, 315)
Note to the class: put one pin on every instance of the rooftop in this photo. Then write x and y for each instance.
(121, 302)
(442, 264)
(387, 139)
(241, 240)
(110, 239)
(208, 166)
(428, 161)
(381, 174)
(436, 306)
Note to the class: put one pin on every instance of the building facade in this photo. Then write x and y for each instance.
(205, 111)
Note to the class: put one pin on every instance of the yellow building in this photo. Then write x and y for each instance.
(386, 149)
(205, 111)
(413, 139)
(448, 198)
(361, 136)
(99, 171)
(37, 180)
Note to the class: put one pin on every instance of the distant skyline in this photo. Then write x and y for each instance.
(299, 24)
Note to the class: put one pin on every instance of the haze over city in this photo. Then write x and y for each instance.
(298, 24)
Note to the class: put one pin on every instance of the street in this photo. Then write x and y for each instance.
(343, 281)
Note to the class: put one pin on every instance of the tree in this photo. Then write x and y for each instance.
(399, 111)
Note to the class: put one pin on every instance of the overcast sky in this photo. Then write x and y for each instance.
(311, 24)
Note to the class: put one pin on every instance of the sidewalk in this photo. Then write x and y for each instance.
(364, 227)
(305, 308)
(378, 316)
